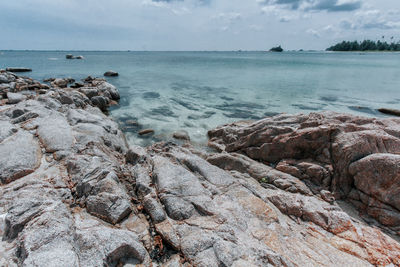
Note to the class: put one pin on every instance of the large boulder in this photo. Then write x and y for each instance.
(321, 138)
(378, 175)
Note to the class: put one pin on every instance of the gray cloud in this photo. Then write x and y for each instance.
(327, 5)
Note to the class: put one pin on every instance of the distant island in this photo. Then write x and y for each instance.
(366, 45)
(276, 49)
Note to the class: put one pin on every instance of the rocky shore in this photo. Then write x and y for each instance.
(289, 190)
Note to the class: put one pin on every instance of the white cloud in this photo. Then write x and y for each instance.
(372, 19)
(313, 32)
(191, 24)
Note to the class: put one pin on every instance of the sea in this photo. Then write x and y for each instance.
(197, 91)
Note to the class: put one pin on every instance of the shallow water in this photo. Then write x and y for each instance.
(196, 91)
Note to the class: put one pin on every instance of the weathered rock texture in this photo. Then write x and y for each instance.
(73, 193)
(356, 158)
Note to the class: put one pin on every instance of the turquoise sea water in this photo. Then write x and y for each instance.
(196, 91)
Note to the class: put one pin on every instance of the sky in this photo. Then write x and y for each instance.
(180, 25)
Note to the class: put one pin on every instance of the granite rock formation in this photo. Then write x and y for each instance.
(282, 191)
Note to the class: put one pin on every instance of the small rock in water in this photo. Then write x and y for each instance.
(70, 56)
(389, 111)
(18, 69)
(181, 135)
(111, 73)
(146, 131)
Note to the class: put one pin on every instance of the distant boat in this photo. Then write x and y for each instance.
(276, 49)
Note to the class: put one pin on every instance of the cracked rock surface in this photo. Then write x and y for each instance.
(290, 190)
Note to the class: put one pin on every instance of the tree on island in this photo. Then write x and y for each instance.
(276, 49)
(366, 45)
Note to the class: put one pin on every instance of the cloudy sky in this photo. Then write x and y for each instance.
(193, 24)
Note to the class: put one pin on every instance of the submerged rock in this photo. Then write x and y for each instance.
(146, 132)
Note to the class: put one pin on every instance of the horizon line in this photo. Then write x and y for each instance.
(128, 50)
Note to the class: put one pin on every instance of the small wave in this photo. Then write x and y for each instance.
(53, 58)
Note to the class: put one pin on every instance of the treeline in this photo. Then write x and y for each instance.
(366, 45)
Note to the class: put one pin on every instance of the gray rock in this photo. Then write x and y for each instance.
(181, 135)
(110, 73)
(78, 85)
(111, 89)
(15, 113)
(66, 100)
(55, 133)
(90, 92)
(6, 130)
(135, 154)
(6, 77)
(213, 174)
(23, 210)
(104, 246)
(143, 181)
(109, 207)
(154, 208)
(330, 218)
(20, 156)
(47, 239)
(262, 172)
(177, 208)
(101, 102)
(14, 98)
(24, 117)
(105, 196)
(226, 252)
(61, 83)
